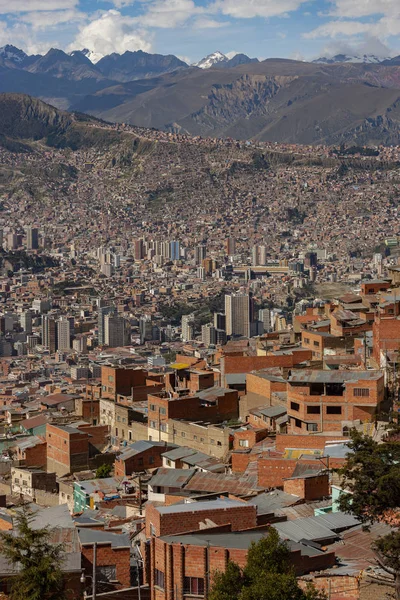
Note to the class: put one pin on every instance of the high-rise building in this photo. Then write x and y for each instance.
(188, 327)
(219, 321)
(139, 250)
(263, 255)
(208, 334)
(175, 250)
(200, 253)
(114, 330)
(166, 250)
(264, 315)
(32, 238)
(63, 334)
(49, 333)
(103, 311)
(238, 314)
(12, 241)
(201, 273)
(230, 246)
(254, 256)
(145, 328)
(26, 321)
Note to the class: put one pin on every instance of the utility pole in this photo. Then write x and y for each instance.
(94, 571)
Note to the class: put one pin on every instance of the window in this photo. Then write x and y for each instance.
(119, 418)
(153, 424)
(159, 579)
(313, 410)
(295, 406)
(152, 407)
(244, 443)
(333, 410)
(164, 427)
(194, 586)
(130, 435)
(202, 439)
(140, 460)
(298, 423)
(163, 411)
(151, 460)
(16, 480)
(24, 482)
(116, 431)
(65, 442)
(306, 340)
(316, 344)
(219, 443)
(183, 434)
(312, 427)
(111, 379)
(195, 437)
(152, 528)
(361, 392)
(212, 442)
(106, 573)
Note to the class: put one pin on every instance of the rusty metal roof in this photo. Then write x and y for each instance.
(309, 376)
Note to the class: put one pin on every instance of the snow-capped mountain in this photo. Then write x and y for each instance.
(94, 57)
(13, 54)
(211, 60)
(368, 59)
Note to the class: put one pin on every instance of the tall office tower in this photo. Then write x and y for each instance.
(230, 246)
(254, 256)
(264, 315)
(201, 273)
(114, 330)
(165, 249)
(80, 344)
(1, 237)
(187, 327)
(139, 250)
(208, 334)
(200, 252)
(26, 321)
(103, 311)
(63, 334)
(175, 250)
(145, 328)
(263, 255)
(32, 238)
(238, 314)
(49, 333)
(12, 241)
(219, 321)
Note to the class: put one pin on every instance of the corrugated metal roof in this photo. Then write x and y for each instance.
(219, 482)
(107, 485)
(177, 453)
(117, 540)
(171, 478)
(309, 376)
(220, 504)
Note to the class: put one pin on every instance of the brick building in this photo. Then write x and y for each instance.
(127, 381)
(140, 456)
(181, 518)
(330, 401)
(67, 449)
(212, 404)
(113, 556)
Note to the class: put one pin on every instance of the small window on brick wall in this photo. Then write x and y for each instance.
(333, 410)
(193, 586)
(159, 579)
(361, 392)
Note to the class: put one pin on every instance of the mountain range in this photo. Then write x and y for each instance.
(328, 101)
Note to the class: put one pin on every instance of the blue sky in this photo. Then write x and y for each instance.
(191, 29)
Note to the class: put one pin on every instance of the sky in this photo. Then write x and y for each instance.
(192, 29)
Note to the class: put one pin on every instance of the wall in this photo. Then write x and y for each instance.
(309, 488)
(106, 555)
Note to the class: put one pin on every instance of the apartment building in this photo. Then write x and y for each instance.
(330, 401)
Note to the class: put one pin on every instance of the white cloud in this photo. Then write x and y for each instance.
(169, 13)
(256, 8)
(364, 8)
(369, 45)
(382, 29)
(17, 6)
(43, 20)
(112, 32)
(205, 23)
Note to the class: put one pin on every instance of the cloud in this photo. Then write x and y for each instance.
(43, 20)
(383, 28)
(369, 45)
(364, 8)
(256, 8)
(112, 32)
(205, 23)
(18, 6)
(169, 13)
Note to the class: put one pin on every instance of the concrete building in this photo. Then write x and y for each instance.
(63, 335)
(32, 238)
(49, 333)
(238, 317)
(114, 330)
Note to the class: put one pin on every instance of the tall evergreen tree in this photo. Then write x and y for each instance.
(36, 560)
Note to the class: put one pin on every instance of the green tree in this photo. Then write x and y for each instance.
(372, 476)
(103, 471)
(36, 560)
(267, 574)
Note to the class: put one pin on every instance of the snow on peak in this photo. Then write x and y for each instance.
(211, 60)
(370, 59)
(12, 53)
(94, 57)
